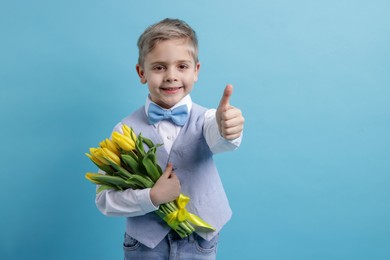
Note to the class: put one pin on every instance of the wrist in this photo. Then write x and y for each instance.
(154, 197)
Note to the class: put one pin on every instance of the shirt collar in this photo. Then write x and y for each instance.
(184, 101)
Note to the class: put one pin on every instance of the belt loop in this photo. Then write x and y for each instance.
(191, 238)
(173, 235)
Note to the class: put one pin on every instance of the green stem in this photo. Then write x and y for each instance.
(184, 228)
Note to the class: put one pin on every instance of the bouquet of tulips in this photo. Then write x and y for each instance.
(127, 165)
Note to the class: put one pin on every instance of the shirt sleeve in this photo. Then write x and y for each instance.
(216, 142)
(127, 203)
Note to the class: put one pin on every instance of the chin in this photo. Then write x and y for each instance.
(172, 102)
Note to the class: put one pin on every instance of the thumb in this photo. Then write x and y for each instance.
(168, 171)
(225, 100)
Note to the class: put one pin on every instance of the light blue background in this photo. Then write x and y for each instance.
(311, 179)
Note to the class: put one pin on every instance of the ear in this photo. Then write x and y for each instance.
(197, 68)
(141, 73)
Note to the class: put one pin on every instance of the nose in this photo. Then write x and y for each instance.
(170, 75)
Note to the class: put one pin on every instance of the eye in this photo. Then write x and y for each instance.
(183, 66)
(159, 68)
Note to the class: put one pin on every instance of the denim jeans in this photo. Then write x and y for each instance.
(172, 247)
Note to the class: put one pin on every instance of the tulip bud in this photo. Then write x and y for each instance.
(124, 142)
(89, 176)
(94, 158)
(98, 154)
(127, 131)
(111, 156)
(110, 145)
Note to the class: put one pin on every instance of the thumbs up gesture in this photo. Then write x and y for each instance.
(230, 120)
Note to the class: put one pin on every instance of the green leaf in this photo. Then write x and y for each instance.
(139, 145)
(135, 184)
(151, 168)
(132, 163)
(104, 179)
(132, 133)
(105, 187)
(159, 169)
(120, 170)
(145, 181)
(148, 142)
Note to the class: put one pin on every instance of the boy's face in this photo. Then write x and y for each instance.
(170, 71)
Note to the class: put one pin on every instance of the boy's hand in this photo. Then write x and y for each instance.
(230, 120)
(167, 188)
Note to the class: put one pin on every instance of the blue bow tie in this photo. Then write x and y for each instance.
(178, 115)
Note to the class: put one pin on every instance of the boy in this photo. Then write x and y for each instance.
(190, 134)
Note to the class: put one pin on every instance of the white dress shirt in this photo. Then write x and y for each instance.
(130, 202)
(169, 131)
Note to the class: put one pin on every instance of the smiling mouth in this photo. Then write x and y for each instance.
(170, 88)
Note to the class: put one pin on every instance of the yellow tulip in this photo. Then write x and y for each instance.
(99, 155)
(104, 155)
(96, 156)
(124, 142)
(94, 159)
(110, 145)
(89, 175)
(127, 131)
(111, 156)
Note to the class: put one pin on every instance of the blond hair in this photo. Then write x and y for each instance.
(166, 29)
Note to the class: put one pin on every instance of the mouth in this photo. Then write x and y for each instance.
(170, 90)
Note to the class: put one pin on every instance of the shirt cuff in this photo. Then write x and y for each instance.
(143, 197)
(214, 139)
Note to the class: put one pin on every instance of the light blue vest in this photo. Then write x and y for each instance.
(199, 179)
